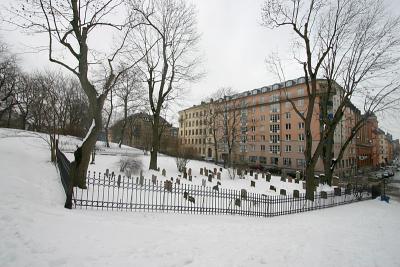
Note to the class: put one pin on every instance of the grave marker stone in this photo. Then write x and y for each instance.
(163, 172)
(201, 171)
(324, 195)
(253, 184)
(219, 176)
(282, 192)
(119, 180)
(141, 180)
(178, 182)
(304, 185)
(190, 178)
(168, 185)
(268, 177)
(298, 176)
(251, 172)
(271, 187)
(205, 172)
(296, 193)
(190, 171)
(154, 179)
(210, 178)
(256, 176)
(335, 181)
(290, 179)
(243, 194)
(185, 175)
(203, 182)
(337, 191)
(215, 170)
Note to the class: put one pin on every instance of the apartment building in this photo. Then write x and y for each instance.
(268, 131)
(368, 145)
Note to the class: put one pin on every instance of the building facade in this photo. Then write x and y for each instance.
(264, 128)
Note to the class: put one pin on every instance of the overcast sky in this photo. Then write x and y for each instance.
(234, 46)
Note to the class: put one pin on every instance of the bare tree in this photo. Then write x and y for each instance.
(171, 25)
(130, 93)
(321, 27)
(71, 27)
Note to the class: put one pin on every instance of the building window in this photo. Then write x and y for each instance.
(274, 128)
(288, 137)
(274, 107)
(274, 161)
(301, 137)
(274, 149)
(274, 138)
(301, 125)
(301, 163)
(263, 160)
(287, 115)
(262, 118)
(300, 102)
(301, 149)
(262, 148)
(288, 148)
(274, 117)
(287, 161)
(300, 91)
(262, 137)
(253, 159)
(288, 126)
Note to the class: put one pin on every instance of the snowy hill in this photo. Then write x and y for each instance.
(35, 229)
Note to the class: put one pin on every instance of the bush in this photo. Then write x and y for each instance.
(130, 165)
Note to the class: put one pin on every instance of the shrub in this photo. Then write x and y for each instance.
(130, 165)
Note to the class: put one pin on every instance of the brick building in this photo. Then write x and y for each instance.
(269, 133)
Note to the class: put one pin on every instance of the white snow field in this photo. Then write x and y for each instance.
(35, 229)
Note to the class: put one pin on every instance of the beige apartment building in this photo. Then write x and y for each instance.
(268, 132)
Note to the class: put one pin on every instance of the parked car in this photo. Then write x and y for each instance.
(390, 173)
(385, 174)
(379, 175)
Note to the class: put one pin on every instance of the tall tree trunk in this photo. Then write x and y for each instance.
(155, 145)
(121, 140)
(327, 157)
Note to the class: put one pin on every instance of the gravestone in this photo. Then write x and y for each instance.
(324, 195)
(141, 173)
(335, 181)
(304, 185)
(185, 175)
(316, 180)
(201, 171)
(172, 178)
(154, 179)
(337, 191)
(237, 202)
(141, 180)
(220, 169)
(168, 186)
(243, 194)
(298, 176)
(203, 182)
(283, 176)
(119, 180)
(163, 172)
(263, 175)
(158, 169)
(256, 176)
(253, 184)
(190, 171)
(215, 170)
(268, 177)
(239, 172)
(190, 178)
(296, 180)
(210, 178)
(290, 179)
(245, 172)
(296, 193)
(322, 179)
(177, 181)
(219, 176)
(271, 187)
(205, 172)
(282, 192)
(347, 191)
(107, 172)
(283, 179)
(251, 172)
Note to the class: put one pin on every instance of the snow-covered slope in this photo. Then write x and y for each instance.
(35, 229)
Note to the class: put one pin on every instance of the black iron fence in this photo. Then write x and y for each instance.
(110, 192)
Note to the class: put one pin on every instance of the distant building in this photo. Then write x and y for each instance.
(138, 132)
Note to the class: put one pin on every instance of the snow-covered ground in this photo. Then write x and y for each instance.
(35, 229)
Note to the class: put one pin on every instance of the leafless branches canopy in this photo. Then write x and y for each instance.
(351, 43)
(166, 41)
